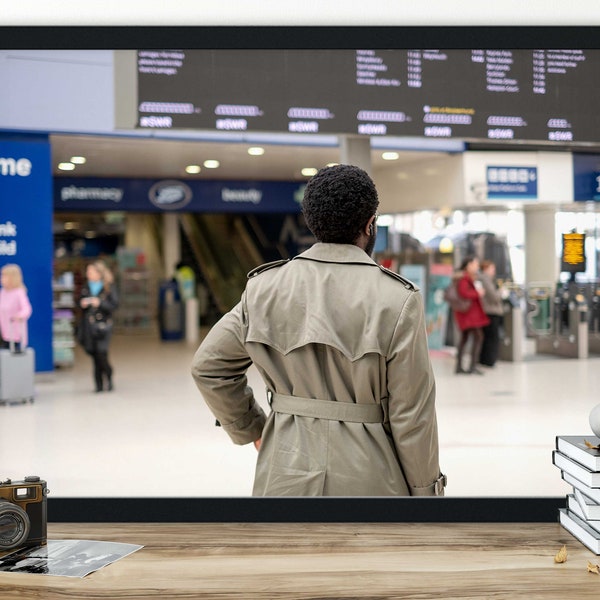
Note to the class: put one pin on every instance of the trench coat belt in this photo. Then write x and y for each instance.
(326, 409)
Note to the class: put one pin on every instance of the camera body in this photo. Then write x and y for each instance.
(23, 513)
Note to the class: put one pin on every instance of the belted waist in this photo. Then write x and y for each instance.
(326, 409)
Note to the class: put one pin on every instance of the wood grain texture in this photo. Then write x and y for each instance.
(312, 560)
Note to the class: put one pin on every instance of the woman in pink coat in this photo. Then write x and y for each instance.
(472, 321)
(15, 308)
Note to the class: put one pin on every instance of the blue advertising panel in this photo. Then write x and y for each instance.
(417, 274)
(505, 183)
(26, 232)
(170, 195)
(586, 177)
(596, 185)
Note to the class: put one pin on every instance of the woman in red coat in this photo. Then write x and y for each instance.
(472, 321)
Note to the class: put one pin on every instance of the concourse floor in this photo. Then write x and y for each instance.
(154, 437)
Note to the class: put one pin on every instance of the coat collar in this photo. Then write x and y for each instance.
(337, 253)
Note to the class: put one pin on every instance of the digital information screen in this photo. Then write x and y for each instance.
(573, 253)
(529, 95)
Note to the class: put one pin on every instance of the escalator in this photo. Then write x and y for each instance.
(223, 248)
(224, 252)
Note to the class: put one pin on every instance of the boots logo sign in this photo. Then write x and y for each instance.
(10, 167)
(170, 194)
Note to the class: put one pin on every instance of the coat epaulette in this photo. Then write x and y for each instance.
(409, 285)
(270, 265)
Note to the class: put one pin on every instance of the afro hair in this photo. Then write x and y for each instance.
(338, 202)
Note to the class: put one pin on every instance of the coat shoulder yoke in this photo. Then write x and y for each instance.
(409, 285)
(265, 267)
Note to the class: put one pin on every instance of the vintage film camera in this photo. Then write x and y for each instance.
(23, 513)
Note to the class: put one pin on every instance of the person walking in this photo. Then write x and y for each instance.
(15, 308)
(491, 302)
(98, 301)
(341, 345)
(471, 321)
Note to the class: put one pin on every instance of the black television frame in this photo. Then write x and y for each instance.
(353, 509)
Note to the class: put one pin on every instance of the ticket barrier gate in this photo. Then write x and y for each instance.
(511, 340)
(539, 309)
(569, 336)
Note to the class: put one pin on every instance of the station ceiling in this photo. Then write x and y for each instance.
(134, 157)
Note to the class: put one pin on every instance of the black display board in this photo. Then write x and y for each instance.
(472, 94)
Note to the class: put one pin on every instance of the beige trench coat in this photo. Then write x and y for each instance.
(334, 327)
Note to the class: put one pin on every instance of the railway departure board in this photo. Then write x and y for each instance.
(528, 95)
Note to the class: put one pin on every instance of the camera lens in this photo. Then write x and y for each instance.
(14, 525)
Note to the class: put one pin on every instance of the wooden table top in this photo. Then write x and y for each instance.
(316, 560)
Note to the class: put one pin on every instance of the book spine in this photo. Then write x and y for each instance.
(589, 507)
(577, 454)
(583, 474)
(569, 450)
(593, 494)
(579, 529)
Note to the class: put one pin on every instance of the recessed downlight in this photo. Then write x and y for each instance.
(212, 164)
(256, 151)
(390, 156)
(309, 171)
(66, 166)
(78, 160)
(193, 169)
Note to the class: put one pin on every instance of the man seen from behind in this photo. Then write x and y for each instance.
(341, 346)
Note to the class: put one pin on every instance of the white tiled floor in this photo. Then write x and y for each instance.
(153, 436)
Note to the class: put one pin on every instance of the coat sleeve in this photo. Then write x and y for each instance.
(109, 302)
(411, 400)
(219, 370)
(24, 311)
(491, 301)
(467, 290)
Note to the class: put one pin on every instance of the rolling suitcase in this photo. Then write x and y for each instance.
(17, 370)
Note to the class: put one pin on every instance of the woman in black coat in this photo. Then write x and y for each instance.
(98, 300)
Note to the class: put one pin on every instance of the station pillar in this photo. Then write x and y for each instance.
(541, 262)
(356, 150)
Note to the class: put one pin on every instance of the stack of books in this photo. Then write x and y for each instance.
(578, 458)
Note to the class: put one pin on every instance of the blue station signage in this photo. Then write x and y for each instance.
(170, 195)
(505, 183)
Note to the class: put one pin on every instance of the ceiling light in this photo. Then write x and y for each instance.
(256, 151)
(193, 169)
(446, 245)
(66, 166)
(390, 156)
(332, 164)
(78, 160)
(309, 171)
(212, 164)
